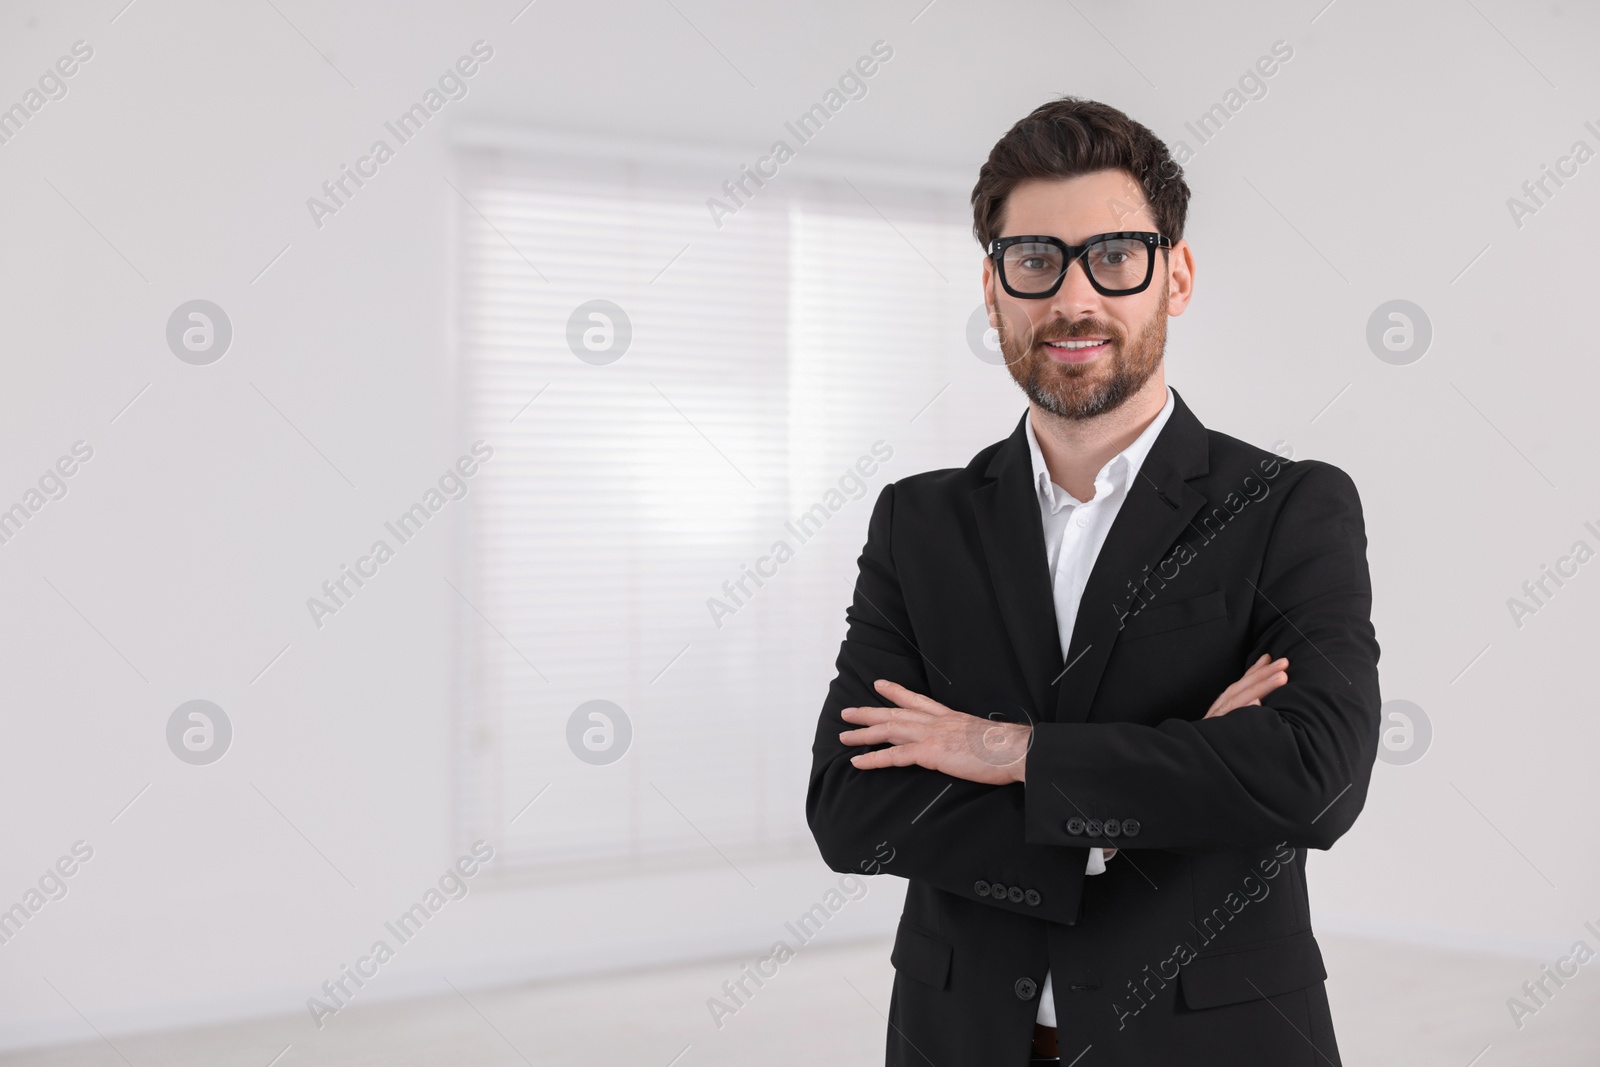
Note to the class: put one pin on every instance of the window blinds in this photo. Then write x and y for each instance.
(766, 358)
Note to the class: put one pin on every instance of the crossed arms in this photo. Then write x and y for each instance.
(944, 792)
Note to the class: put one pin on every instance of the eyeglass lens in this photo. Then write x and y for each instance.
(1118, 263)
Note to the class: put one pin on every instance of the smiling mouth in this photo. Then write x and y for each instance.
(1077, 349)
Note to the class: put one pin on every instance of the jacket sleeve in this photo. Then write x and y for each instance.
(1295, 768)
(956, 835)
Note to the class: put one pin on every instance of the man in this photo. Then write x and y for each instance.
(1034, 647)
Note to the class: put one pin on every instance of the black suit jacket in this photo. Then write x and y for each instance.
(1195, 947)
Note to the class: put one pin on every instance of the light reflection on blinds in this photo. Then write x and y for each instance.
(766, 358)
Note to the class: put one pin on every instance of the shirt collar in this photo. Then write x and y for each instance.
(1117, 473)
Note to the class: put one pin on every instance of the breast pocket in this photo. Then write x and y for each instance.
(1179, 615)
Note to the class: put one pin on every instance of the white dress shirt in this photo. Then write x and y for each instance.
(1074, 531)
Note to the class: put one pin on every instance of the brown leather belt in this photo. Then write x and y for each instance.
(1044, 1042)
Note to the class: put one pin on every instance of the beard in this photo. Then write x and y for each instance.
(1084, 390)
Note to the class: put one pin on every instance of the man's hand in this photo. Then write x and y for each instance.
(925, 733)
(1262, 678)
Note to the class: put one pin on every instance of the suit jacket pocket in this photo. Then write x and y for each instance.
(917, 955)
(1266, 969)
(1161, 618)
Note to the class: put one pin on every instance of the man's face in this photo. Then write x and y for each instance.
(1083, 382)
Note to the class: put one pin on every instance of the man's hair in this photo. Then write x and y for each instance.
(1073, 136)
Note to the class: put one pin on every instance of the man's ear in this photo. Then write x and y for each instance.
(989, 302)
(1180, 277)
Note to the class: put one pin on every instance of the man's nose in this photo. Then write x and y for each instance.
(1077, 294)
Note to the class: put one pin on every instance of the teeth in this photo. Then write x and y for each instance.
(1073, 344)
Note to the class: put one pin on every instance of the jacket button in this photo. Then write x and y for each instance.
(1014, 894)
(1094, 827)
(981, 888)
(997, 891)
(1130, 827)
(1032, 897)
(1026, 988)
(1113, 827)
(1074, 826)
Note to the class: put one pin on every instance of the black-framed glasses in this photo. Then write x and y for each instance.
(1117, 264)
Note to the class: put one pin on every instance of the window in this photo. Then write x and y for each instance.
(766, 358)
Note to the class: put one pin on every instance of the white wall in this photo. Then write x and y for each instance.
(178, 166)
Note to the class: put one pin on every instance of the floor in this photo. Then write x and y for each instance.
(1392, 1004)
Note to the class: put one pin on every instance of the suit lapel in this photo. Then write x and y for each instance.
(1158, 508)
(1007, 513)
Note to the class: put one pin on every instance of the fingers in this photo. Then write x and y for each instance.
(898, 756)
(1238, 697)
(1258, 689)
(1255, 668)
(871, 735)
(1262, 678)
(904, 727)
(1229, 697)
(1259, 674)
(1261, 668)
(875, 716)
(906, 698)
(1245, 679)
(1262, 684)
(896, 726)
(894, 733)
